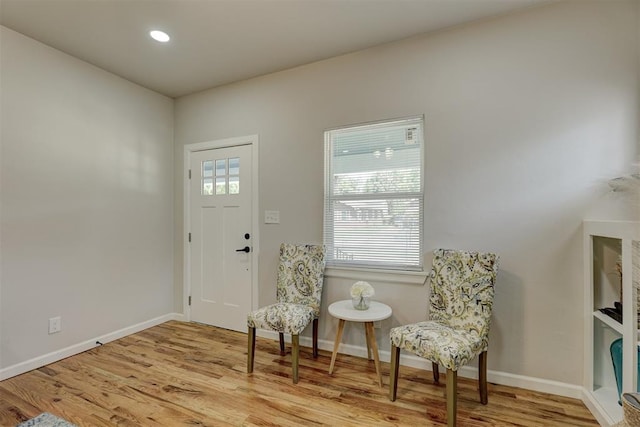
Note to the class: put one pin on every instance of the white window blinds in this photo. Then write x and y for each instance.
(373, 205)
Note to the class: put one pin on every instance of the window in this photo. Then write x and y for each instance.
(373, 203)
(224, 175)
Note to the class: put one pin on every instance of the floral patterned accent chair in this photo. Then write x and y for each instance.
(299, 292)
(461, 301)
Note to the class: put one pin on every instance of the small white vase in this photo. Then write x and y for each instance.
(361, 303)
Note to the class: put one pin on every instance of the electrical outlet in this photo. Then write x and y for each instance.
(376, 324)
(55, 325)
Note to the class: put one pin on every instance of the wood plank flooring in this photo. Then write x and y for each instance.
(187, 374)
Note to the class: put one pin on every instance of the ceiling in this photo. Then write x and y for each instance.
(216, 42)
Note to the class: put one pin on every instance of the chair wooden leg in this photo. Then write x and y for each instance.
(315, 338)
(435, 368)
(282, 353)
(393, 372)
(482, 377)
(295, 349)
(452, 397)
(251, 345)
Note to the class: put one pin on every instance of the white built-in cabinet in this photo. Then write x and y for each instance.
(611, 269)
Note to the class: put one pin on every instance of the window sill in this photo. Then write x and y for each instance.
(391, 276)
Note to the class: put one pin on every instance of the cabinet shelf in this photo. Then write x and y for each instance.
(611, 258)
(607, 397)
(616, 326)
(612, 323)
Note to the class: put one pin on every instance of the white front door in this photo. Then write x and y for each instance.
(221, 249)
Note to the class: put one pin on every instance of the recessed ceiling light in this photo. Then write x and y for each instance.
(160, 36)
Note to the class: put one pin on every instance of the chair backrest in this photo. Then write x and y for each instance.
(301, 274)
(462, 288)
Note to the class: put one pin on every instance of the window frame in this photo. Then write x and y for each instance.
(329, 198)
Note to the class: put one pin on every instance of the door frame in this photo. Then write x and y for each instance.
(212, 145)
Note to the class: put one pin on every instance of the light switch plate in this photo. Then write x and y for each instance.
(272, 217)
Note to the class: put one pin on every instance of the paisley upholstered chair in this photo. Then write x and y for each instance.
(461, 301)
(299, 292)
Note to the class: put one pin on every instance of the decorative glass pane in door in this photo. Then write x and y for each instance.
(234, 175)
(207, 180)
(221, 176)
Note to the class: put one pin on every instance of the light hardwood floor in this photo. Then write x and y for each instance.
(186, 374)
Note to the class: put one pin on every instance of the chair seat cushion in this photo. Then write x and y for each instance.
(439, 343)
(281, 317)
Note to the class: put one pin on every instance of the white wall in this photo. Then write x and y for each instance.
(86, 201)
(527, 116)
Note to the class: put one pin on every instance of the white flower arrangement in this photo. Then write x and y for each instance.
(362, 289)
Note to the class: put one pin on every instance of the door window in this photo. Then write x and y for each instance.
(226, 179)
(207, 178)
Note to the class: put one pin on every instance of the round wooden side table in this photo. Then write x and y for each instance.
(344, 311)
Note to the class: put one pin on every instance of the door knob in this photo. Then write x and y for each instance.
(246, 249)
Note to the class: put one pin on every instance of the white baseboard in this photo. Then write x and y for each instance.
(54, 356)
(496, 377)
(179, 317)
